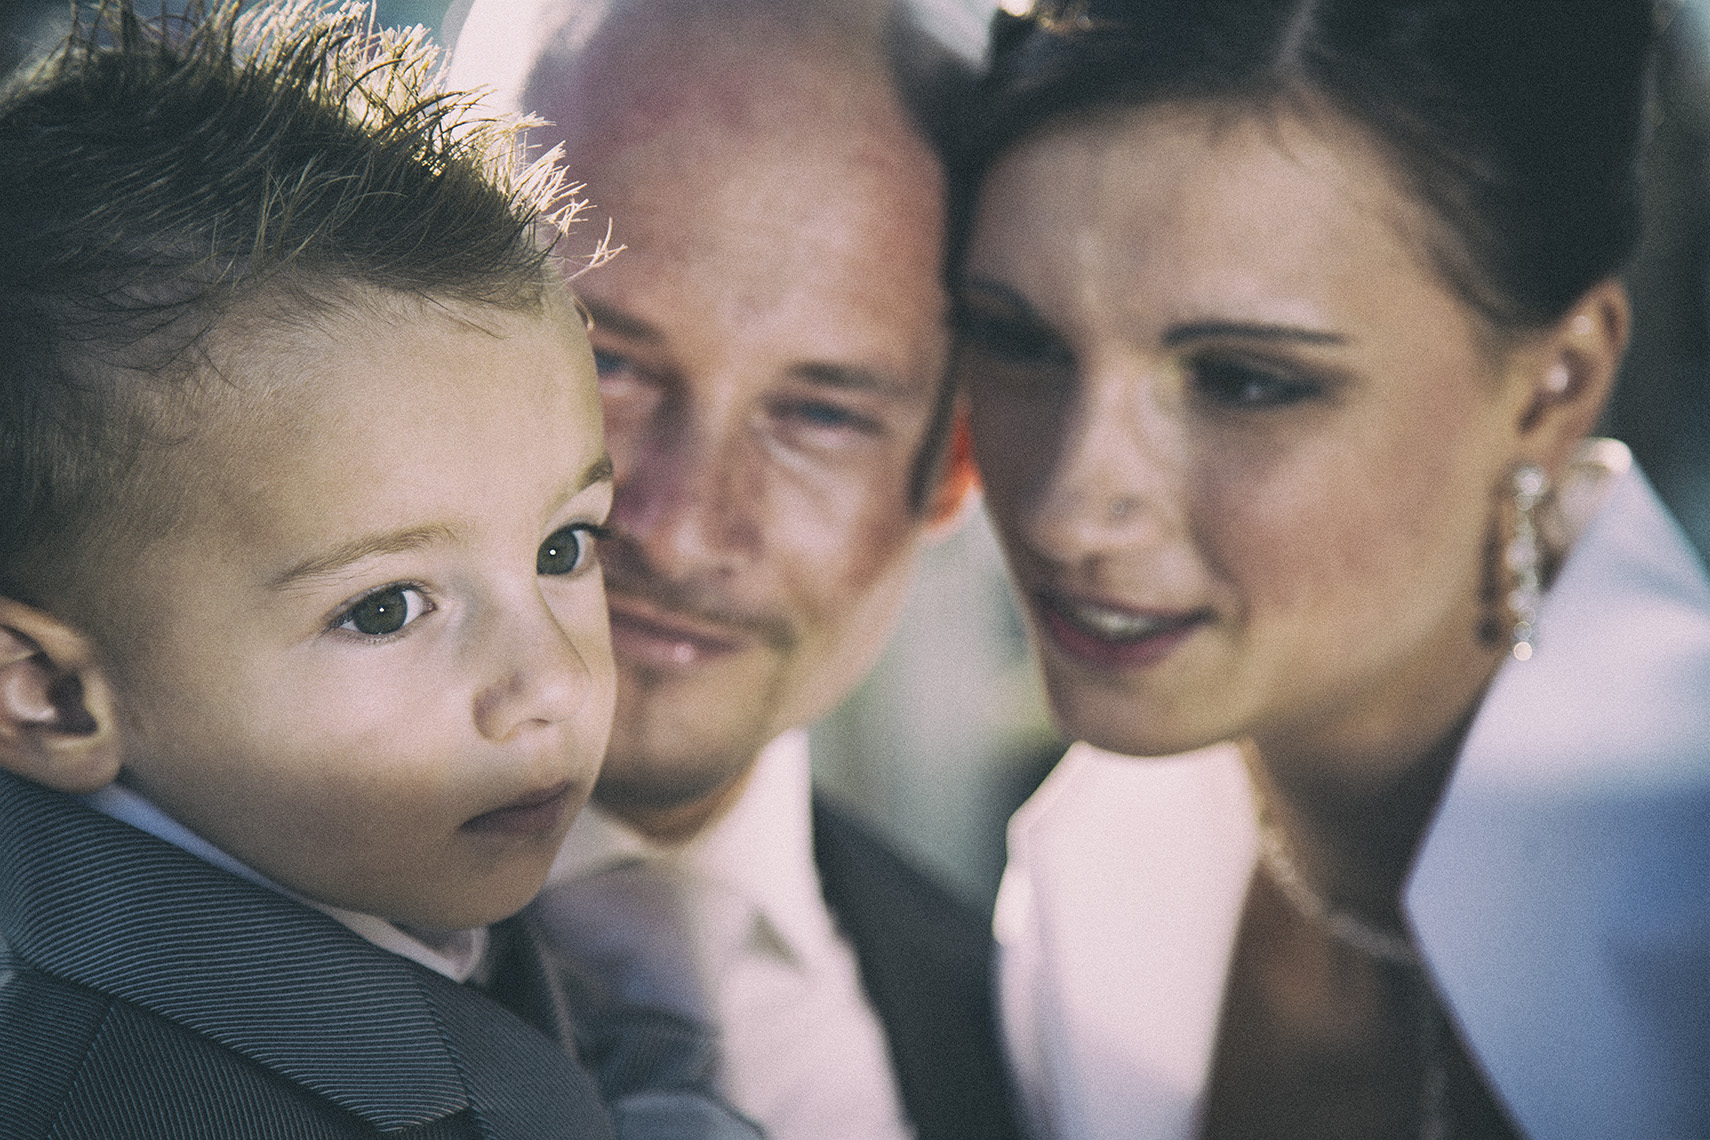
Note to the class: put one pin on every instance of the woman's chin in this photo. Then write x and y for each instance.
(1117, 721)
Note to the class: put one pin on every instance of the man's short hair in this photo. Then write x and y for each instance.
(928, 50)
(155, 175)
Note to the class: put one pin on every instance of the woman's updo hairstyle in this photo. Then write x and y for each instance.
(1516, 123)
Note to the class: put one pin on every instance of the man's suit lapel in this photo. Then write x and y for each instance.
(101, 904)
(925, 962)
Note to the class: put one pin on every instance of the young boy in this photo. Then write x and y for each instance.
(304, 667)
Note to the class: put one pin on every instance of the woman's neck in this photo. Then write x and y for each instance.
(1350, 827)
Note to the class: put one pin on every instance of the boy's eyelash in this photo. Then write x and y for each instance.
(585, 540)
(344, 612)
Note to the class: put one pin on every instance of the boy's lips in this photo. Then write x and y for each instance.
(1113, 637)
(643, 634)
(534, 814)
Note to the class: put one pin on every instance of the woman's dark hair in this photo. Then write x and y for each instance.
(1516, 123)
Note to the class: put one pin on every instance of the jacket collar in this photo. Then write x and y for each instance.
(1554, 897)
(101, 904)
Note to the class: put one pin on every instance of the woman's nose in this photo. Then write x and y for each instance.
(1112, 482)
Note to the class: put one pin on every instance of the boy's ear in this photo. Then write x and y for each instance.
(58, 723)
(1570, 379)
(959, 478)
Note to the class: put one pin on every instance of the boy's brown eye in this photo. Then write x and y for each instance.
(385, 611)
(567, 550)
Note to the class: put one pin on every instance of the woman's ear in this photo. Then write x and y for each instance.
(959, 478)
(1568, 380)
(58, 723)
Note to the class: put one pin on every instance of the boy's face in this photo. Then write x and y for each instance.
(372, 659)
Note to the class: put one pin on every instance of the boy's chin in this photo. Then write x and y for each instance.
(455, 902)
(480, 907)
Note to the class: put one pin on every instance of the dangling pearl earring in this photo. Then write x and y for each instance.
(1531, 484)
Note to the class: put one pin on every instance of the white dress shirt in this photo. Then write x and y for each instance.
(454, 953)
(1559, 898)
(730, 929)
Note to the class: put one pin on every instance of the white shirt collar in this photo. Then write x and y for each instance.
(454, 953)
(773, 816)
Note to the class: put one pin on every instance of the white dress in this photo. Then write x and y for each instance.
(1561, 898)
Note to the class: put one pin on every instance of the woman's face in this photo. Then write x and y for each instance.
(1244, 446)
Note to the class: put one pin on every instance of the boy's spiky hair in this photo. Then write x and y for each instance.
(155, 174)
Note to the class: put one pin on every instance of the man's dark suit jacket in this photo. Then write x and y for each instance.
(925, 960)
(146, 995)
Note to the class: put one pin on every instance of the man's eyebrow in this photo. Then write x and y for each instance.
(850, 378)
(607, 318)
(1181, 334)
(367, 546)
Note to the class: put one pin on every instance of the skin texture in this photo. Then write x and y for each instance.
(1225, 326)
(431, 448)
(770, 345)
(1248, 455)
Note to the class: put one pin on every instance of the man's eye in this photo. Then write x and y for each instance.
(1235, 384)
(386, 610)
(607, 364)
(817, 413)
(568, 549)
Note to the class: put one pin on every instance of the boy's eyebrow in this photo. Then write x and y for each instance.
(397, 541)
(599, 471)
(391, 542)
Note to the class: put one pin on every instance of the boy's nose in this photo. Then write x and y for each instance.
(540, 677)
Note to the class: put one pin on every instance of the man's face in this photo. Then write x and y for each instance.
(770, 348)
(371, 659)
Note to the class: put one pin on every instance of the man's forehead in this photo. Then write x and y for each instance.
(666, 75)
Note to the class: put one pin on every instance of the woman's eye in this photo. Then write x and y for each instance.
(606, 363)
(568, 549)
(385, 611)
(1236, 384)
(1011, 340)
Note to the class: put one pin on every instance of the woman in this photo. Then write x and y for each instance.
(1284, 325)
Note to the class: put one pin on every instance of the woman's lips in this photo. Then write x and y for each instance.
(538, 813)
(1113, 637)
(647, 637)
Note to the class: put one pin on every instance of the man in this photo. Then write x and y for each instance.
(771, 347)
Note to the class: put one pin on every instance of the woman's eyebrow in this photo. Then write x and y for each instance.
(1177, 335)
(999, 292)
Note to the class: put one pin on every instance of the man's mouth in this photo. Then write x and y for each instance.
(645, 635)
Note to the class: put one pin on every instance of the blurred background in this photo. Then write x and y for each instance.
(950, 733)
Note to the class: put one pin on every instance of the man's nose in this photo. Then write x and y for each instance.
(687, 499)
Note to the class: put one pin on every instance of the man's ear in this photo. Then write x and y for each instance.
(58, 722)
(1567, 381)
(959, 477)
